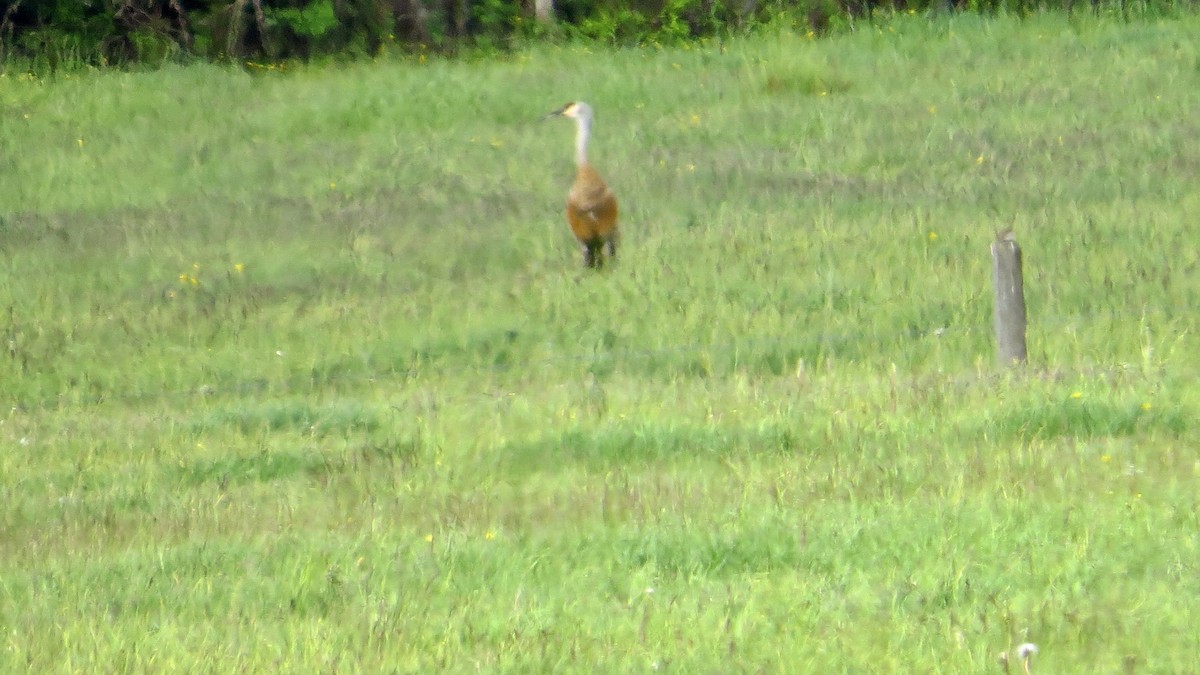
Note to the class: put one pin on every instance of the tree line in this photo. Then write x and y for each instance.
(102, 32)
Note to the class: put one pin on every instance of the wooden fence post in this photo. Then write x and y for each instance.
(1009, 314)
(543, 10)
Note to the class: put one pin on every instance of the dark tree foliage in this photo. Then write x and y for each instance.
(57, 32)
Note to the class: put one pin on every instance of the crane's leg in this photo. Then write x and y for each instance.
(592, 254)
(614, 240)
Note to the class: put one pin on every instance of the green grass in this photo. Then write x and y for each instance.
(301, 371)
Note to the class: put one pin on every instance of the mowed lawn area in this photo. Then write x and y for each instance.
(300, 370)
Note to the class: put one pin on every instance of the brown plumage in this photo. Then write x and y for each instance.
(591, 206)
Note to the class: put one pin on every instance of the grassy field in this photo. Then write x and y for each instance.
(301, 371)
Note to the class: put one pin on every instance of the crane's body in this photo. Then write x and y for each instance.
(591, 206)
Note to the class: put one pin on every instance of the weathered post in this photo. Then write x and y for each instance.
(1009, 314)
(543, 10)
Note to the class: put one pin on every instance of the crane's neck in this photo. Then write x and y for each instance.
(583, 129)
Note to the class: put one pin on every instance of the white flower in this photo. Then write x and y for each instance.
(1026, 650)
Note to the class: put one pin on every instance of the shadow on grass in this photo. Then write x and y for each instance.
(376, 457)
(622, 446)
(262, 467)
(761, 548)
(1084, 419)
(292, 416)
(372, 443)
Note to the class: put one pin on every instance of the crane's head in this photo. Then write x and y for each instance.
(575, 110)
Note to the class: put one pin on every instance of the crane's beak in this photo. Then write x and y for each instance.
(561, 112)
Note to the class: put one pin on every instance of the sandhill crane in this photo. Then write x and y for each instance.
(591, 206)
